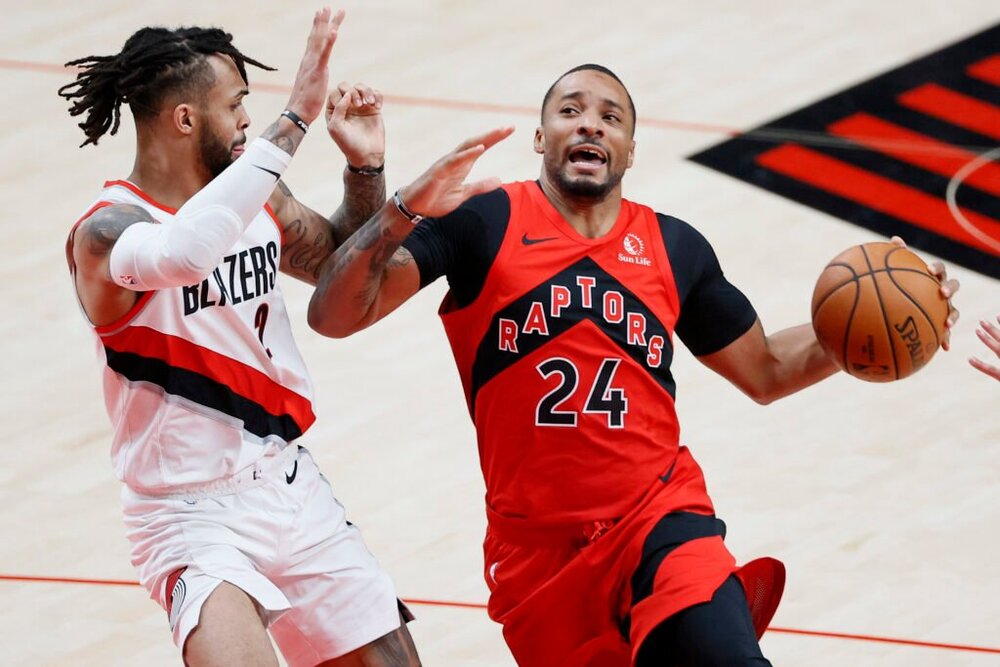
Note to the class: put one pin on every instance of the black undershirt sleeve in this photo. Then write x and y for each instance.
(714, 313)
(461, 245)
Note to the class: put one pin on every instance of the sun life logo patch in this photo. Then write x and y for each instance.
(635, 250)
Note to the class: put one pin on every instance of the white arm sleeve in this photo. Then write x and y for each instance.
(150, 256)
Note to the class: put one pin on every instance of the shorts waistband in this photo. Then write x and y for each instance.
(256, 474)
(522, 532)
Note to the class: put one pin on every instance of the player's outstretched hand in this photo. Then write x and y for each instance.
(441, 189)
(311, 81)
(354, 121)
(990, 335)
(949, 287)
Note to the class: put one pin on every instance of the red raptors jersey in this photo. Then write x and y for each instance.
(565, 357)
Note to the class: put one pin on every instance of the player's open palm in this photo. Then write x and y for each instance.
(354, 121)
(311, 81)
(441, 189)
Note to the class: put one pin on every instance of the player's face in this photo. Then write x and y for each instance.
(224, 132)
(586, 135)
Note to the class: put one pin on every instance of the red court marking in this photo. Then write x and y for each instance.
(886, 640)
(876, 192)
(68, 580)
(405, 100)
(475, 605)
(445, 603)
(956, 108)
(987, 70)
(916, 149)
(35, 67)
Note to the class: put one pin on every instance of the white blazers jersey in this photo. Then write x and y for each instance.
(200, 381)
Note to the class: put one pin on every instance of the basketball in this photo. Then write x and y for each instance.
(879, 312)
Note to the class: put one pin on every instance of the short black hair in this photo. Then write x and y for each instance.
(153, 64)
(596, 68)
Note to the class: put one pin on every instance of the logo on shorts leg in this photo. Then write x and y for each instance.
(178, 589)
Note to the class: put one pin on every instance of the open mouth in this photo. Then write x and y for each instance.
(588, 155)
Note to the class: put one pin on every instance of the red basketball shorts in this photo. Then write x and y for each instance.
(590, 594)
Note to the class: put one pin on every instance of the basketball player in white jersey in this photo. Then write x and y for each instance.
(233, 530)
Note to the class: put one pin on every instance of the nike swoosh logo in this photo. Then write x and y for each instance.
(273, 173)
(526, 241)
(295, 471)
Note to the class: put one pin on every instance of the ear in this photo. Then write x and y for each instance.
(631, 155)
(184, 118)
(539, 141)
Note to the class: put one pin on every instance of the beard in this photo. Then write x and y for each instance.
(216, 154)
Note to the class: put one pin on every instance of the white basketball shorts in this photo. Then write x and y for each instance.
(276, 531)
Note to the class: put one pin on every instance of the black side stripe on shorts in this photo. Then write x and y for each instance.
(670, 532)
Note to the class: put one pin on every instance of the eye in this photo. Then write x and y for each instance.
(611, 117)
(568, 111)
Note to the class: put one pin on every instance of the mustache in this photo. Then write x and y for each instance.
(588, 142)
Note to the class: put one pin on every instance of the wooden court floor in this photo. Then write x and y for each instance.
(882, 500)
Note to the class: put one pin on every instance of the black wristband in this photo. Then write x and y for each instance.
(366, 171)
(407, 213)
(294, 117)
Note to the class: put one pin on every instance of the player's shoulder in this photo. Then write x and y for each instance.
(678, 233)
(490, 206)
(105, 222)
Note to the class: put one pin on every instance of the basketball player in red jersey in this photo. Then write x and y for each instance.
(233, 529)
(602, 546)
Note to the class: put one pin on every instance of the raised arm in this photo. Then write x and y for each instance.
(370, 275)
(118, 251)
(354, 121)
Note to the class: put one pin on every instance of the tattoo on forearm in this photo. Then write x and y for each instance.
(363, 196)
(106, 225)
(401, 257)
(379, 239)
(287, 143)
(306, 253)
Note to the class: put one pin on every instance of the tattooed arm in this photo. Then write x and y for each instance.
(354, 121)
(370, 275)
(91, 244)
(310, 238)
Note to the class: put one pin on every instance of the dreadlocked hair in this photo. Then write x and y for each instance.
(153, 64)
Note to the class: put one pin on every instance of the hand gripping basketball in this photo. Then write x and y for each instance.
(880, 312)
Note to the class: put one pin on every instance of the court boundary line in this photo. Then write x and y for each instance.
(768, 135)
(897, 641)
